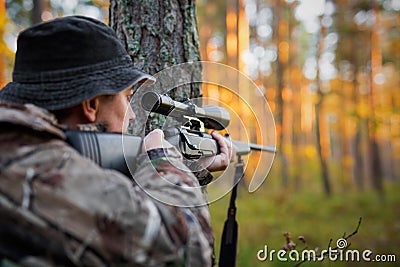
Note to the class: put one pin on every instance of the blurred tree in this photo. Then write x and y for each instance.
(376, 68)
(37, 10)
(361, 61)
(27, 12)
(281, 35)
(158, 34)
(3, 47)
(211, 16)
(347, 60)
(351, 56)
(18, 12)
(321, 149)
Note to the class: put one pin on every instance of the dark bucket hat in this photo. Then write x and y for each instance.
(61, 63)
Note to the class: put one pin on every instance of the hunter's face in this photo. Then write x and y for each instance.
(115, 111)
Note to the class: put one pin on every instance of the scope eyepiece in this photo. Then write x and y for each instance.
(151, 101)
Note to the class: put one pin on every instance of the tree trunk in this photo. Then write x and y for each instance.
(37, 10)
(321, 155)
(376, 67)
(279, 114)
(158, 34)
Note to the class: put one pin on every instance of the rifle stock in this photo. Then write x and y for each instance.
(109, 150)
(119, 151)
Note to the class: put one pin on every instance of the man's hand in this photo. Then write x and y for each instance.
(221, 161)
(155, 139)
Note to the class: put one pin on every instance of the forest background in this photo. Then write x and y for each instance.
(329, 71)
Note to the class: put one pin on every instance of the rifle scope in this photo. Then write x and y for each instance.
(213, 117)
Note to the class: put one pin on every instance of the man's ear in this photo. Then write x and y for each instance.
(90, 108)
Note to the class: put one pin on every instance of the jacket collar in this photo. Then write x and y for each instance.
(30, 116)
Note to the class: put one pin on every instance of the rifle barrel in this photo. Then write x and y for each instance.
(243, 148)
(258, 147)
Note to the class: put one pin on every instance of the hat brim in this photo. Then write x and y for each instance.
(74, 87)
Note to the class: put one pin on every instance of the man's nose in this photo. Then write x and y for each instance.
(131, 114)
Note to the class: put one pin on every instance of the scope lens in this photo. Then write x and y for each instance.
(151, 101)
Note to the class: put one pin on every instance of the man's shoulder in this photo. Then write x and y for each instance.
(30, 117)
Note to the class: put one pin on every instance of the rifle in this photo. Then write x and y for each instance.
(190, 136)
(118, 151)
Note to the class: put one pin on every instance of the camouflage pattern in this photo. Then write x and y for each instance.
(68, 211)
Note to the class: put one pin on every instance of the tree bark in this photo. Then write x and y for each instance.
(158, 34)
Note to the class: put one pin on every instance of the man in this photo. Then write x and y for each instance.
(59, 208)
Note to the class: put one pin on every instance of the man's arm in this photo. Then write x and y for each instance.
(103, 211)
(132, 222)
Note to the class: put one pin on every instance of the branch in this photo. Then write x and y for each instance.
(345, 237)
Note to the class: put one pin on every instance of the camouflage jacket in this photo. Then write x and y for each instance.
(59, 208)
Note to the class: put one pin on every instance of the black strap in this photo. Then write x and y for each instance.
(227, 257)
